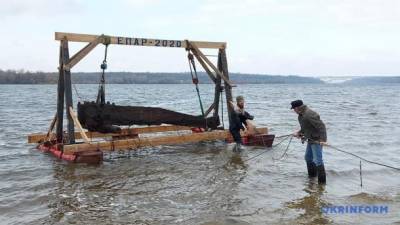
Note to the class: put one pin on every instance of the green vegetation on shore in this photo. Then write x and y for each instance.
(26, 77)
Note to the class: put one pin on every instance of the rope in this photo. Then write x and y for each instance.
(76, 92)
(354, 155)
(195, 80)
(360, 175)
(286, 137)
(285, 152)
(361, 158)
(103, 66)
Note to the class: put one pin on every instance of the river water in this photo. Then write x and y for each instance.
(205, 183)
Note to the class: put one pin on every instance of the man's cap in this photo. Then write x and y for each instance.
(296, 103)
(239, 98)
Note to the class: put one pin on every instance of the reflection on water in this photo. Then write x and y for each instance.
(204, 183)
(310, 205)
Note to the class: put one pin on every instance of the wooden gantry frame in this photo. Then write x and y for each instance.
(218, 74)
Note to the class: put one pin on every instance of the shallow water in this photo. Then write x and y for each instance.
(204, 183)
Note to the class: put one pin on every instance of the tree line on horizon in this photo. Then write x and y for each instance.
(27, 77)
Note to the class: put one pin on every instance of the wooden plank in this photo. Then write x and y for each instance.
(81, 54)
(135, 143)
(78, 124)
(138, 41)
(196, 48)
(60, 99)
(228, 88)
(126, 132)
(68, 93)
(218, 90)
(51, 128)
(39, 137)
(212, 106)
(205, 67)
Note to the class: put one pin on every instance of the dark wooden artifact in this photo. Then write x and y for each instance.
(104, 117)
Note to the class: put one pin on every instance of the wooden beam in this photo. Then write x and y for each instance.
(68, 92)
(138, 41)
(125, 132)
(195, 48)
(78, 124)
(39, 137)
(60, 98)
(82, 53)
(51, 128)
(135, 143)
(228, 89)
(218, 90)
(205, 67)
(212, 106)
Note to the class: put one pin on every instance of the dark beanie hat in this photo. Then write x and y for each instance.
(296, 103)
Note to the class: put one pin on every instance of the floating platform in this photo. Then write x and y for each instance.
(92, 157)
(100, 117)
(131, 139)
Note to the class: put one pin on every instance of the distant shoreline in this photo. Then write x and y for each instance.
(14, 77)
(24, 77)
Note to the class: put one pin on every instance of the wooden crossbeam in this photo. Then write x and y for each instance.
(135, 143)
(212, 106)
(196, 49)
(39, 137)
(205, 67)
(51, 128)
(82, 53)
(138, 41)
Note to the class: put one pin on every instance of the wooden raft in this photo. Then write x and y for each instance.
(63, 141)
(129, 138)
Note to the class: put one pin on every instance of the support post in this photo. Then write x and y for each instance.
(68, 92)
(60, 98)
(218, 87)
(228, 88)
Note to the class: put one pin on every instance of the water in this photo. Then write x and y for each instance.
(204, 183)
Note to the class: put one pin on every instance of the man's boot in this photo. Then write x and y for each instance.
(237, 148)
(312, 169)
(321, 174)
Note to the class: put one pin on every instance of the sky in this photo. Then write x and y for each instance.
(287, 37)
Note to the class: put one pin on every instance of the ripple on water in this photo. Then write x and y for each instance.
(201, 183)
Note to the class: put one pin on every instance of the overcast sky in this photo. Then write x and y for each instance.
(304, 37)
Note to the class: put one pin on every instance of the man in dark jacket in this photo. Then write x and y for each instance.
(314, 132)
(238, 118)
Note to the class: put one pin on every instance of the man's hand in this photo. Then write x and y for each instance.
(251, 129)
(232, 104)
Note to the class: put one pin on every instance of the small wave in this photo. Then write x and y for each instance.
(376, 143)
(369, 198)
